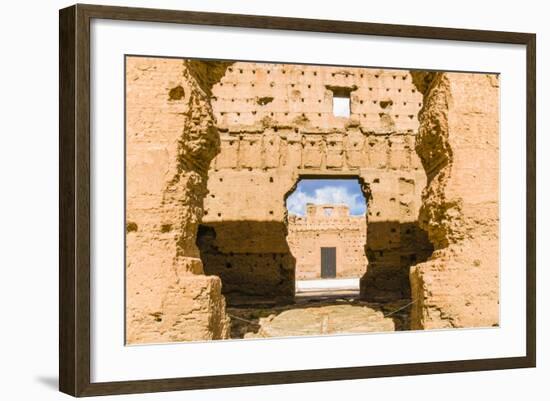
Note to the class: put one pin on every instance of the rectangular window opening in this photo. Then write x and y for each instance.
(341, 105)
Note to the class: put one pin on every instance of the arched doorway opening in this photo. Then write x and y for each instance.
(327, 231)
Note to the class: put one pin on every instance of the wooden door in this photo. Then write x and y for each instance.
(328, 262)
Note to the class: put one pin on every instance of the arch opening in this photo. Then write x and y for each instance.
(327, 229)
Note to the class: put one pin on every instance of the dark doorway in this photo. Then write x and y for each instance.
(328, 262)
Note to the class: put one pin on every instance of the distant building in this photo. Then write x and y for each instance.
(328, 242)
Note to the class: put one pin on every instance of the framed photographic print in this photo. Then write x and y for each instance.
(250, 200)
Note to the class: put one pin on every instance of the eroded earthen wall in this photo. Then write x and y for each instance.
(276, 125)
(458, 142)
(170, 140)
(328, 226)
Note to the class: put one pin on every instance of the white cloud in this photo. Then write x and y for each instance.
(296, 203)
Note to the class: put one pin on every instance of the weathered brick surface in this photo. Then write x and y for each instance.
(458, 143)
(170, 140)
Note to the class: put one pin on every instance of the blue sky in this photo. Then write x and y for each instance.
(327, 191)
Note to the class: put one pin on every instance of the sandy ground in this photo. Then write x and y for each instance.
(321, 307)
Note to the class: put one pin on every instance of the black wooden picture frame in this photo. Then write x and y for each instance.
(74, 199)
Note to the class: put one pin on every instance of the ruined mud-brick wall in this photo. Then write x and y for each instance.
(170, 141)
(328, 226)
(276, 124)
(459, 145)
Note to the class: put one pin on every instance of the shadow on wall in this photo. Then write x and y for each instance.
(252, 258)
(392, 248)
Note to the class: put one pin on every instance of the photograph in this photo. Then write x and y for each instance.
(275, 201)
(279, 200)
